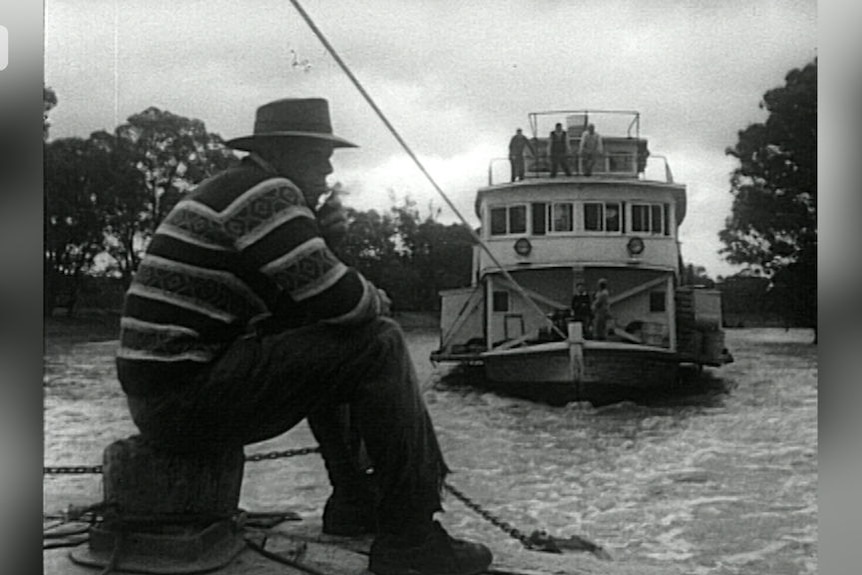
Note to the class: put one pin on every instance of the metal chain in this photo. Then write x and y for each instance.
(529, 542)
(506, 527)
(74, 469)
(83, 469)
(280, 454)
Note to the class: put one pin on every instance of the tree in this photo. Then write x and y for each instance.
(369, 244)
(109, 192)
(173, 153)
(126, 202)
(440, 256)
(793, 289)
(151, 161)
(745, 299)
(773, 221)
(73, 216)
(410, 257)
(49, 101)
(695, 275)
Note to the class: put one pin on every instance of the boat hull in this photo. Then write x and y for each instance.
(610, 371)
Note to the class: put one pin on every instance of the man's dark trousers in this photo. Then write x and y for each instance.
(266, 384)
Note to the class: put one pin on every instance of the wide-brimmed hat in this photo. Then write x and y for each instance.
(291, 118)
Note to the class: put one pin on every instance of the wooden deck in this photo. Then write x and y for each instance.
(303, 543)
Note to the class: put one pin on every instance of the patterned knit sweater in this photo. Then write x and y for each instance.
(242, 248)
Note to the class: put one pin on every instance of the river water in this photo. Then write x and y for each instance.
(722, 481)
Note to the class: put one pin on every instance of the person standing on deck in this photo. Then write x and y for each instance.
(558, 144)
(241, 322)
(582, 308)
(516, 154)
(590, 149)
(601, 310)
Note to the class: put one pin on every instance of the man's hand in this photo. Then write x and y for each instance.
(332, 220)
(385, 302)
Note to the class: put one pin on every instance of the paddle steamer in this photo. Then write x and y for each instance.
(544, 235)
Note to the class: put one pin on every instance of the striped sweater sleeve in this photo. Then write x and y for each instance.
(274, 229)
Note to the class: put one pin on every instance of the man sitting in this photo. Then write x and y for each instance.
(240, 323)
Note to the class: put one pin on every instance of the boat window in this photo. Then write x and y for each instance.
(657, 218)
(562, 217)
(650, 219)
(640, 218)
(501, 301)
(657, 301)
(509, 220)
(539, 218)
(498, 221)
(518, 219)
(593, 217)
(603, 217)
(612, 217)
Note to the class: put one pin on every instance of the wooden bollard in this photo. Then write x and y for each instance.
(169, 513)
(142, 480)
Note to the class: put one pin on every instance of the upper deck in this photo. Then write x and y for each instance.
(624, 154)
(619, 215)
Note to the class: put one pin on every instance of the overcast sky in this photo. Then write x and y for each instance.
(454, 77)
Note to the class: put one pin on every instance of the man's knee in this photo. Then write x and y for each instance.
(387, 331)
(381, 334)
(383, 340)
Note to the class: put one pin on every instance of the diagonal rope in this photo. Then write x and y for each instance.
(418, 163)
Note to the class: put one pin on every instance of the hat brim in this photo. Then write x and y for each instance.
(249, 143)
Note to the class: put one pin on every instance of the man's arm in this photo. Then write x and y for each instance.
(332, 220)
(279, 234)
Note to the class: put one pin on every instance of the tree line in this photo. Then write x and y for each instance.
(105, 195)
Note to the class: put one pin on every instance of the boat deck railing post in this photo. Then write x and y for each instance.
(576, 352)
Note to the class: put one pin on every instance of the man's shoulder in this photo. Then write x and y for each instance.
(241, 175)
(223, 188)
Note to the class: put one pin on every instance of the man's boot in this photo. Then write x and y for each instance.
(427, 550)
(351, 510)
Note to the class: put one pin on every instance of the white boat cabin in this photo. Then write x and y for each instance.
(552, 233)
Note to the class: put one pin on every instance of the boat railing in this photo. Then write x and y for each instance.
(614, 165)
(631, 120)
